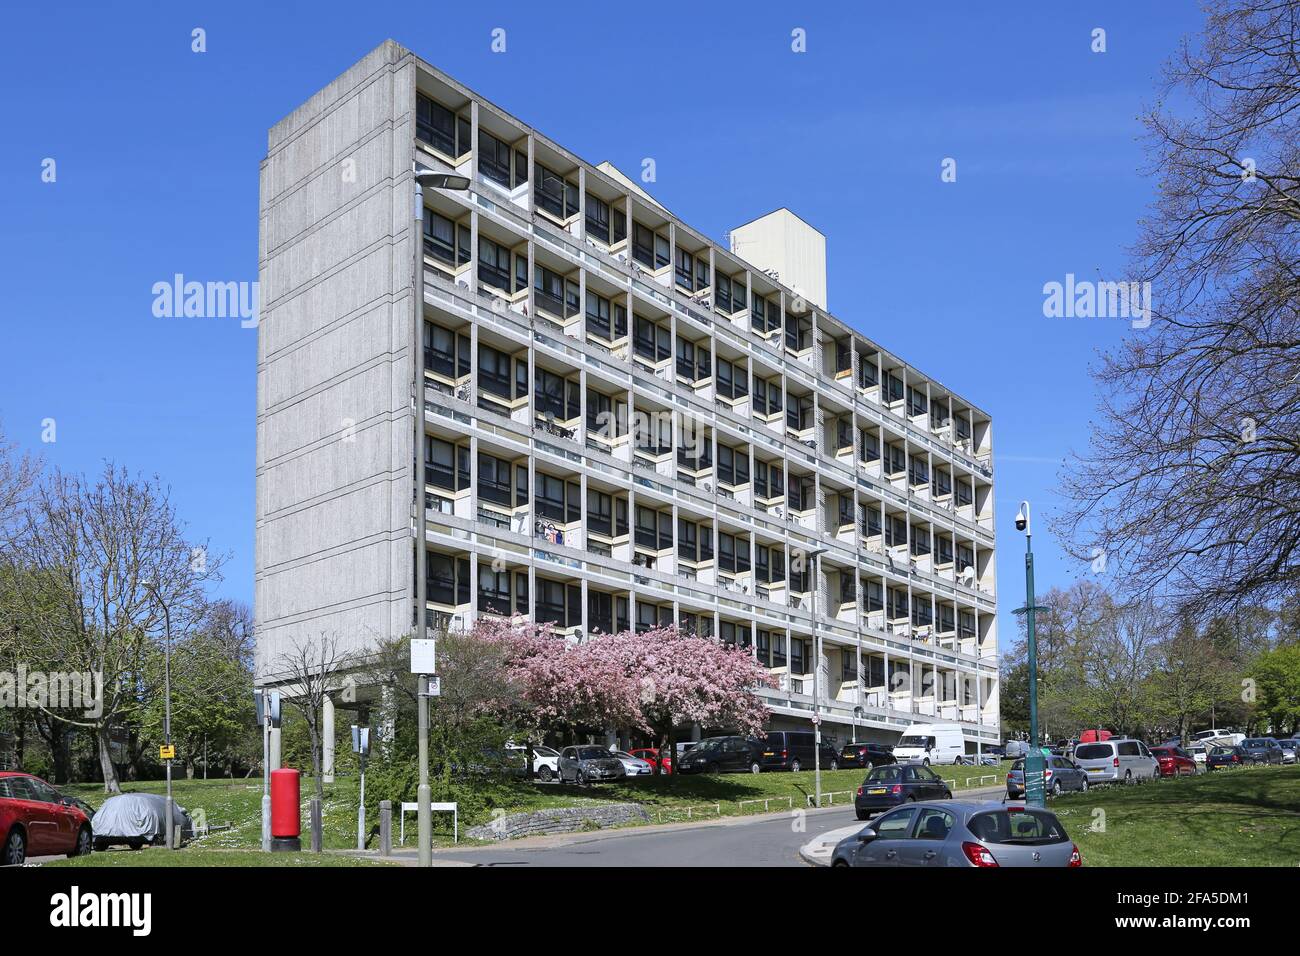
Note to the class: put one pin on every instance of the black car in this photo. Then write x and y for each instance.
(722, 755)
(866, 754)
(793, 750)
(886, 787)
(1227, 757)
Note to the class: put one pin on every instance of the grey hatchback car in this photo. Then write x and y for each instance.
(1059, 774)
(589, 764)
(963, 834)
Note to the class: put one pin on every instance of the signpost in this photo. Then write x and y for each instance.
(267, 703)
(424, 664)
(361, 747)
(167, 752)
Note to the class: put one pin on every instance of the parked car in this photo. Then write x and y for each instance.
(1290, 747)
(1228, 758)
(37, 820)
(722, 755)
(866, 754)
(1095, 736)
(888, 786)
(1059, 774)
(585, 765)
(546, 760)
(1197, 752)
(138, 819)
(793, 750)
(1118, 760)
(1263, 749)
(996, 751)
(633, 766)
(1016, 749)
(1175, 761)
(932, 743)
(1223, 738)
(961, 833)
(651, 756)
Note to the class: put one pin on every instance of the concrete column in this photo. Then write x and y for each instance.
(327, 739)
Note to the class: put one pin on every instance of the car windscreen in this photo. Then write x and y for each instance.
(1093, 752)
(1255, 742)
(545, 752)
(910, 741)
(1022, 827)
(885, 775)
(593, 753)
(1018, 765)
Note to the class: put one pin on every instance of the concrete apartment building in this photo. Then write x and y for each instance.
(623, 422)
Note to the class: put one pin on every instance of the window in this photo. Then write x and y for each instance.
(649, 247)
(798, 656)
(868, 374)
(917, 403)
(922, 612)
(798, 333)
(649, 340)
(600, 513)
(768, 480)
(870, 520)
(557, 499)
(733, 466)
(875, 597)
(848, 666)
(654, 529)
(600, 611)
(733, 553)
(554, 293)
(599, 310)
(446, 579)
(943, 549)
(494, 482)
(445, 240)
(869, 449)
(848, 588)
(694, 362)
(897, 604)
(965, 624)
(965, 557)
(764, 314)
(598, 218)
(556, 194)
(446, 352)
(942, 483)
(763, 648)
(733, 380)
(730, 297)
(441, 128)
(895, 531)
(494, 265)
(798, 412)
(799, 496)
(893, 388)
(606, 416)
(445, 465)
(964, 494)
(692, 273)
(495, 160)
(558, 603)
(895, 460)
(494, 591)
(767, 396)
(770, 564)
(918, 470)
(556, 396)
(494, 372)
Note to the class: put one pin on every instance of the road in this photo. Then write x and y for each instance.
(731, 841)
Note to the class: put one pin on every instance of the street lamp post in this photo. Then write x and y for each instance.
(167, 708)
(434, 180)
(813, 560)
(1034, 794)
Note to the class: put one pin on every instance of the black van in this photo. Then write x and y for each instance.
(721, 755)
(793, 750)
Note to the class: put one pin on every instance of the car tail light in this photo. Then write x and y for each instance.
(1047, 775)
(978, 855)
(784, 754)
(896, 789)
(860, 789)
(1235, 758)
(1116, 763)
(1076, 859)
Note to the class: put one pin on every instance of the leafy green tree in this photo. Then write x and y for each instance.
(1277, 687)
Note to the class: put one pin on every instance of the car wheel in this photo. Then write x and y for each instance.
(911, 798)
(1083, 788)
(136, 844)
(862, 815)
(545, 773)
(925, 761)
(1128, 777)
(755, 767)
(712, 768)
(15, 851)
(835, 765)
(1056, 788)
(84, 844)
(843, 863)
(868, 766)
(795, 765)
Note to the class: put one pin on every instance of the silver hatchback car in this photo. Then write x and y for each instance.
(960, 833)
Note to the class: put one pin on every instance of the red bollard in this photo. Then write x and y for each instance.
(286, 811)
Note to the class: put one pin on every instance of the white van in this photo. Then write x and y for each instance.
(1218, 738)
(931, 743)
(1118, 760)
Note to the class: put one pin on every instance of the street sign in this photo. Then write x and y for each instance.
(273, 711)
(259, 704)
(360, 740)
(422, 656)
(434, 688)
(167, 752)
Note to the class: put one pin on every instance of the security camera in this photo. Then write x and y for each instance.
(1022, 516)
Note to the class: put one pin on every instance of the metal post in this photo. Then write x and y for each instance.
(1034, 795)
(817, 672)
(419, 628)
(424, 813)
(266, 775)
(361, 808)
(385, 828)
(167, 710)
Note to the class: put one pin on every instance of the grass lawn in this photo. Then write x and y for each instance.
(198, 856)
(1247, 817)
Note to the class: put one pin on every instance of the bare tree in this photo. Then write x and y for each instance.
(98, 561)
(18, 475)
(311, 668)
(1192, 482)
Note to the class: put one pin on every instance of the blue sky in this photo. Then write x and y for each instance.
(157, 151)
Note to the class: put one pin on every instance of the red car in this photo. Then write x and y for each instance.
(1174, 761)
(651, 756)
(37, 820)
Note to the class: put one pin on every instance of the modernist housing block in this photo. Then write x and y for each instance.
(597, 417)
